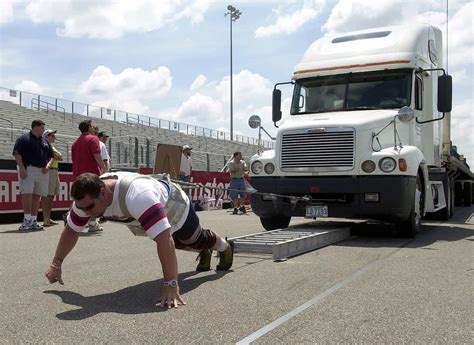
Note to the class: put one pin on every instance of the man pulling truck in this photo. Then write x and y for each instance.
(153, 207)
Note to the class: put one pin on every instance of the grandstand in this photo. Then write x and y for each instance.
(133, 138)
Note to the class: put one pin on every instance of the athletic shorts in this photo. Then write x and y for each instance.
(237, 183)
(189, 227)
(53, 186)
(35, 182)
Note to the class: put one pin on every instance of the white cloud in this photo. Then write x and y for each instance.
(198, 82)
(112, 18)
(200, 109)
(30, 86)
(248, 88)
(350, 15)
(6, 11)
(126, 90)
(288, 23)
(210, 107)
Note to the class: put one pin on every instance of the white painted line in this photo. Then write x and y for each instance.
(271, 326)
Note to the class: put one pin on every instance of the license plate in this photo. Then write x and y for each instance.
(316, 211)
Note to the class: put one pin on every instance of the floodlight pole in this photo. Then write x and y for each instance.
(233, 14)
(231, 87)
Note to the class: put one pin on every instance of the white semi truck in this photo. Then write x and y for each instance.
(368, 135)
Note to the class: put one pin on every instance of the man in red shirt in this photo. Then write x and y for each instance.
(86, 158)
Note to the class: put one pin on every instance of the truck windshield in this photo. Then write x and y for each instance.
(353, 91)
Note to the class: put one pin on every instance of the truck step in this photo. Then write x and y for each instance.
(291, 241)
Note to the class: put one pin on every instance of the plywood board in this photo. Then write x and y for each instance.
(168, 160)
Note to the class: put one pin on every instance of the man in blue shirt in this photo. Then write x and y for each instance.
(32, 154)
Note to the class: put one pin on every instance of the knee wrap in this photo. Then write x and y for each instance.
(206, 240)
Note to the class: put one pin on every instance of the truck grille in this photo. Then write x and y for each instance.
(319, 149)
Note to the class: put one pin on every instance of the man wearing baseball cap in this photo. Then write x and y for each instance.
(186, 164)
(104, 154)
(53, 183)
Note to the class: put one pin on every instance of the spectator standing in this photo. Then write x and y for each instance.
(53, 185)
(32, 155)
(186, 166)
(104, 154)
(155, 208)
(237, 169)
(86, 157)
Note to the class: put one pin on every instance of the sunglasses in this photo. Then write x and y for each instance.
(87, 208)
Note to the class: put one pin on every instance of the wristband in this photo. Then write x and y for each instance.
(55, 266)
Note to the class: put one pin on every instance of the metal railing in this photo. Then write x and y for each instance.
(38, 104)
(25, 98)
(125, 152)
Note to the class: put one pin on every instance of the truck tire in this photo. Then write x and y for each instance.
(467, 194)
(412, 225)
(277, 222)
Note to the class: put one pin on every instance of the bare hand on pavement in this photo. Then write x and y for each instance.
(170, 297)
(54, 275)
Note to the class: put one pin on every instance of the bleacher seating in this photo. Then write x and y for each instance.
(208, 153)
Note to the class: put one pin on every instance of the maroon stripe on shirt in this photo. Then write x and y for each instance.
(77, 220)
(152, 216)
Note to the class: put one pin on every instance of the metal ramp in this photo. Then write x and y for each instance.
(291, 241)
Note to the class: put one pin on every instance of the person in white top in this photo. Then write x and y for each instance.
(158, 208)
(104, 154)
(186, 164)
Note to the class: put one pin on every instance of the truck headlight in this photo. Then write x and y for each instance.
(387, 164)
(257, 167)
(269, 168)
(368, 166)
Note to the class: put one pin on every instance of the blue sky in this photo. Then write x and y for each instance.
(170, 59)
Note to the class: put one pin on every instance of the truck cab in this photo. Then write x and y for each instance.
(365, 128)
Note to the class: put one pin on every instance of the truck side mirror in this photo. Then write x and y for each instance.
(445, 93)
(276, 105)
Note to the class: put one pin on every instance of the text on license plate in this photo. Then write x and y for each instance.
(316, 211)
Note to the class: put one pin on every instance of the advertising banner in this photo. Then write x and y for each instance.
(10, 199)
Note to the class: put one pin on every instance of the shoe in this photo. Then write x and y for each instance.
(52, 222)
(235, 211)
(35, 226)
(204, 261)
(243, 209)
(25, 226)
(95, 228)
(102, 220)
(226, 258)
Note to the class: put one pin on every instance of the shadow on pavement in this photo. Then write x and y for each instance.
(382, 235)
(137, 299)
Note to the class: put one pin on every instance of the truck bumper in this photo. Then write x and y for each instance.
(344, 196)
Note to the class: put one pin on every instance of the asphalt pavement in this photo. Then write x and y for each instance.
(373, 288)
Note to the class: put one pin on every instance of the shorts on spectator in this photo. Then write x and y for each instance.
(53, 186)
(237, 183)
(35, 182)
